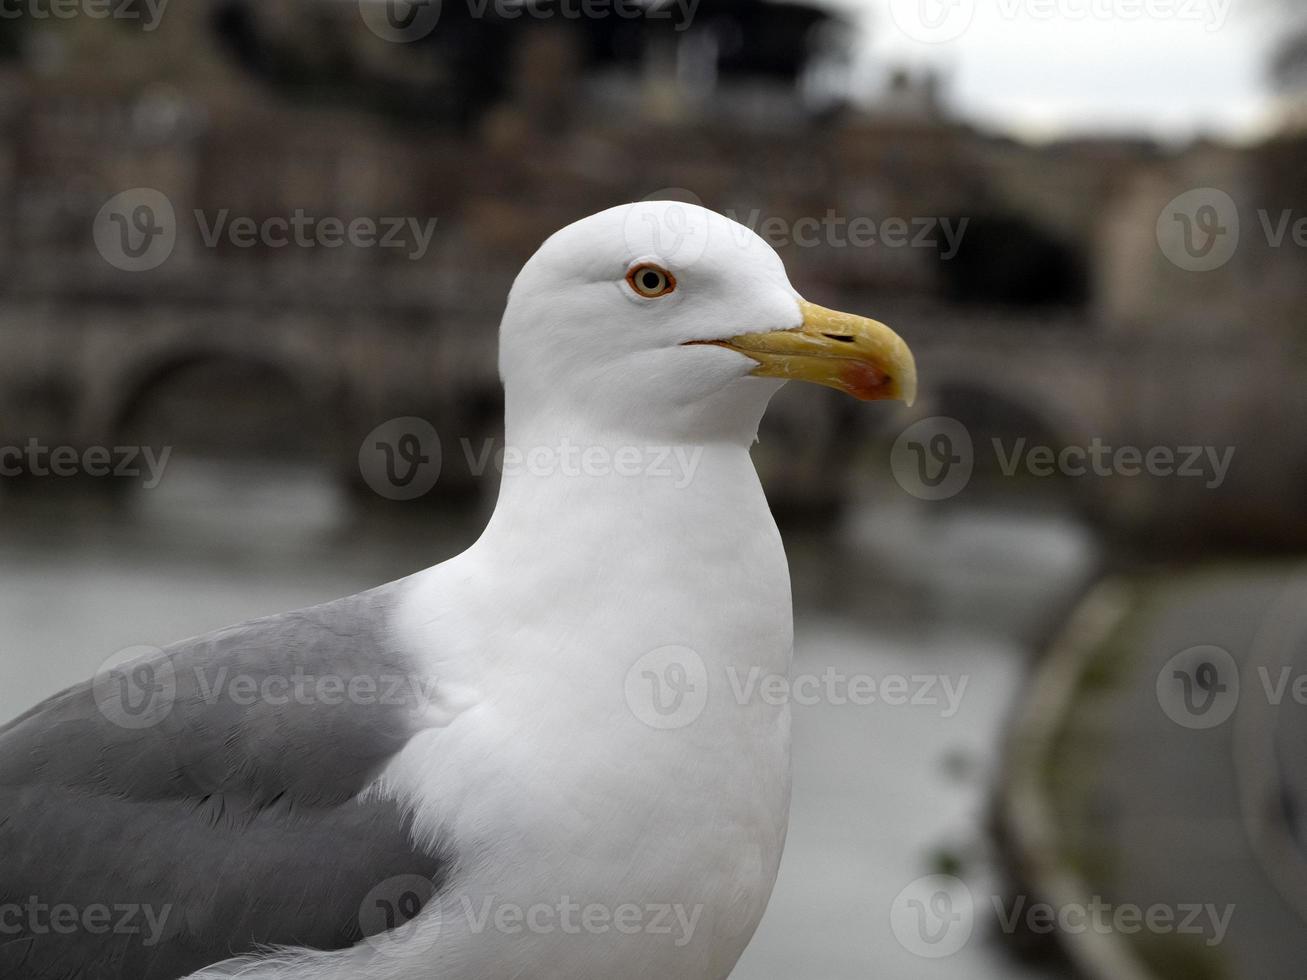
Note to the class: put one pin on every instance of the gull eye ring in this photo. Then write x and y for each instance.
(649, 280)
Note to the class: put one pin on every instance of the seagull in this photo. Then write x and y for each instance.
(537, 759)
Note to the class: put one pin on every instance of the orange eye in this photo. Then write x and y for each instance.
(651, 281)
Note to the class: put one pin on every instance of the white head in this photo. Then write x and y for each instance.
(666, 320)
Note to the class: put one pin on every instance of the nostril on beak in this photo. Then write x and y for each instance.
(843, 338)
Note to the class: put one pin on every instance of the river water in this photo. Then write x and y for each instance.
(912, 628)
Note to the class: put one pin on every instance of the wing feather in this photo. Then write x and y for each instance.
(204, 802)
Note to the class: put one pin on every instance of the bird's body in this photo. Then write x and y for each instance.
(681, 823)
(561, 765)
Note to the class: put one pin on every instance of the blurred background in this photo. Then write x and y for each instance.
(254, 258)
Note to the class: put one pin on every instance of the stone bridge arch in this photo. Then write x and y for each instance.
(1035, 378)
(1008, 412)
(299, 401)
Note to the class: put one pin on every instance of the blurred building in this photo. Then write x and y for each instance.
(503, 128)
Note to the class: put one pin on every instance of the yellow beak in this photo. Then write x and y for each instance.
(859, 356)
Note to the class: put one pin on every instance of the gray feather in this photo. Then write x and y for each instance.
(227, 816)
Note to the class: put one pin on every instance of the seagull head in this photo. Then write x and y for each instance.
(664, 319)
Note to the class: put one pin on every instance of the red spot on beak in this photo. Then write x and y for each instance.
(865, 381)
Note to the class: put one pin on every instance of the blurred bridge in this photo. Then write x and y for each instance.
(230, 360)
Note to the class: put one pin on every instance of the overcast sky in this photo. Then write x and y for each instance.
(1044, 68)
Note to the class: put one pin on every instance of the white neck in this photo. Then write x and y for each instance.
(622, 546)
(535, 634)
(639, 488)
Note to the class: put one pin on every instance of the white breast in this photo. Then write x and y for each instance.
(615, 809)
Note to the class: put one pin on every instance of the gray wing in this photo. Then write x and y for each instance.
(187, 807)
